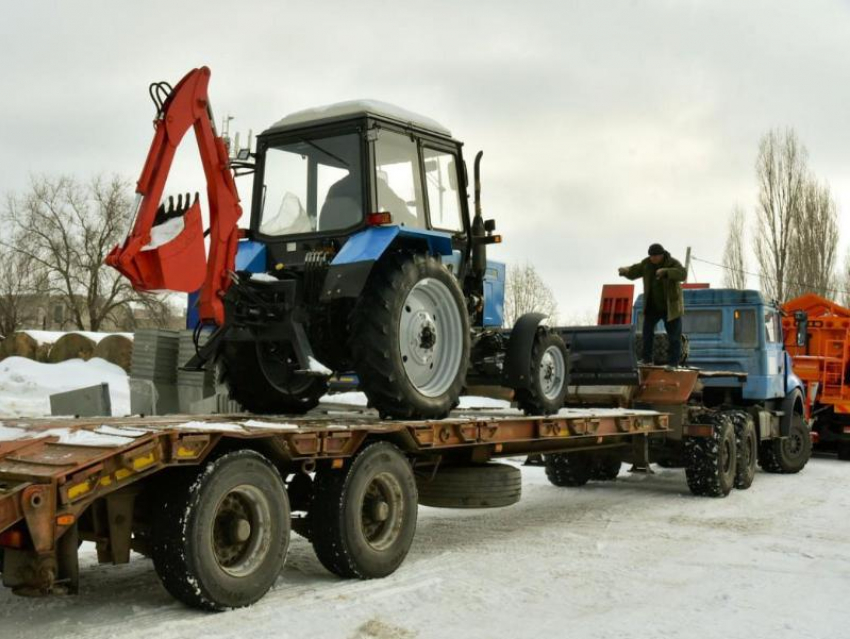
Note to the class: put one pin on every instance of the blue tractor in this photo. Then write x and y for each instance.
(362, 256)
(735, 340)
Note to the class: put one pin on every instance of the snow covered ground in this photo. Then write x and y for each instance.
(638, 558)
(26, 385)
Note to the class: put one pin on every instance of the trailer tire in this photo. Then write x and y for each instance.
(710, 462)
(606, 467)
(746, 440)
(548, 375)
(220, 538)
(477, 486)
(241, 371)
(409, 337)
(568, 470)
(787, 455)
(363, 518)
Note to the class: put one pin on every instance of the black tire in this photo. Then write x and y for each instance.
(376, 330)
(545, 395)
(661, 349)
(747, 442)
(710, 462)
(844, 451)
(479, 486)
(605, 467)
(350, 544)
(241, 371)
(787, 455)
(210, 504)
(568, 470)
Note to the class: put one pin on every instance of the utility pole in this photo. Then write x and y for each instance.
(687, 263)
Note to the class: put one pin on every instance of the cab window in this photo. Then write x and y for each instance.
(398, 183)
(771, 330)
(443, 194)
(745, 327)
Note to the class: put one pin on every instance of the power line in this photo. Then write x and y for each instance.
(773, 279)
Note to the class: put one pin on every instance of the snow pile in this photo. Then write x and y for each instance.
(26, 386)
(51, 337)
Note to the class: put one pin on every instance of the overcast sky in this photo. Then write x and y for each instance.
(606, 125)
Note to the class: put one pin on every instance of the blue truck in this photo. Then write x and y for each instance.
(745, 406)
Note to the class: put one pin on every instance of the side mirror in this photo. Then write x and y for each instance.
(243, 155)
(801, 319)
(489, 225)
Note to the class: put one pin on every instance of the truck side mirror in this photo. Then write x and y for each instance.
(489, 225)
(801, 319)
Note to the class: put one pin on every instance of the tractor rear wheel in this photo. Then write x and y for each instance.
(260, 376)
(410, 338)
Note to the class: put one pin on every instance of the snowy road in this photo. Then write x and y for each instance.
(639, 558)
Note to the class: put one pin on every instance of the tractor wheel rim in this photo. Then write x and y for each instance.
(241, 531)
(431, 337)
(552, 371)
(382, 511)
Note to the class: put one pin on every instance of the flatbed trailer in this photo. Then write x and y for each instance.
(213, 500)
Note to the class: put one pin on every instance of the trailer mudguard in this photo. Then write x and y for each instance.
(518, 356)
(351, 267)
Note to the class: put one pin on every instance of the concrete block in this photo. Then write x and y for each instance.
(152, 398)
(92, 401)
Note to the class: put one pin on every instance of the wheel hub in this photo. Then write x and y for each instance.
(552, 372)
(382, 512)
(240, 533)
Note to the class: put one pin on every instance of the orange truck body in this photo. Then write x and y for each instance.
(817, 336)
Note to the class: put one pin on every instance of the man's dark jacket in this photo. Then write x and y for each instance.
(672, 279)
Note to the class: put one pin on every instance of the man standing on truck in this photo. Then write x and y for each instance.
(662, 294)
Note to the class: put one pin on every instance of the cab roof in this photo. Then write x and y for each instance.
(355, 108)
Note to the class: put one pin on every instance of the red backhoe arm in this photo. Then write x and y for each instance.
(159, 254)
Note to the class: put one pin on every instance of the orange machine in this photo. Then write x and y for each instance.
(817, 336)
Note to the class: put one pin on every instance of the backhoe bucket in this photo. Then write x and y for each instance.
(174, 259)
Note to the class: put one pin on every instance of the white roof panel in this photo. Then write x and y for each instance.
(352, 108)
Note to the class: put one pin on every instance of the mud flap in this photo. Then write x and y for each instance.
(518, 357)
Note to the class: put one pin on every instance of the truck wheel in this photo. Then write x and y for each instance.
(221, 536)
(746, 440)
(410, 338)
(548, 375)
(787, 455)
(258, 376)
(568, 470)
(363, 520)
(844, 451)
(710, 461)
(480, 486)
(606, 467)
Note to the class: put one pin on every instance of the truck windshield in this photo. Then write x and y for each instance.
(312, 185)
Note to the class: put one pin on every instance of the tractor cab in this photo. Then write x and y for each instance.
(326, 174)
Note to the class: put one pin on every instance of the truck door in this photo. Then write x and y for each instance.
(774, 354)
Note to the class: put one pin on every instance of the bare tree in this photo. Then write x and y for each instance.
(23, 285)
(733, 255)
(781, 172)
(814, 243)
(526, 292)
(66, 228)
(843, 280)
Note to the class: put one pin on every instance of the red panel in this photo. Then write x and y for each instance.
(615, 307)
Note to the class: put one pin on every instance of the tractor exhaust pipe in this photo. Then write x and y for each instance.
(479, 249)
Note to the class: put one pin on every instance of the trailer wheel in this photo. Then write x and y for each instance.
(220, 538)
(363, 520)
(606, 467)
(479, 486)
(710, 461)
(569, 470)
(787, 455)
(259, 377)
(746, 440)
(548, 375)
(410, 338)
